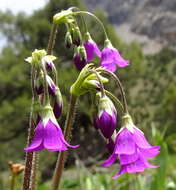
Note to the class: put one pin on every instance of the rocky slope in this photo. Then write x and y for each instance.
(155, 19)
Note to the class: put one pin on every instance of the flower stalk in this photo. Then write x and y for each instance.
(119, 84)
(67, 134)
(29, 155)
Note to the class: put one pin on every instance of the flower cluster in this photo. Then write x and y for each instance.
(48, 133)
(129, 146)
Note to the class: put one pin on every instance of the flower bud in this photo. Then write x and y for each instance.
(86, 81)
(63, 17)
(91, 47)
(58, 104)
(79, 58)
(47, 61)
(76, 35)
(106, 117)
(68, 40)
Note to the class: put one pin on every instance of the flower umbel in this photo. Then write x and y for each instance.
(111, 58)
(48, 134)
(132, 149)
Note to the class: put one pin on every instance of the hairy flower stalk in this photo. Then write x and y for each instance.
(29, 155)
(67, 135)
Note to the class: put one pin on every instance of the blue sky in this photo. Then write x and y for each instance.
(16, 6)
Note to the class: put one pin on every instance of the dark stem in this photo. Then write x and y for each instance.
(29, 155)
(117, 80)
(52, 39)
(67, 134)
(34, 171)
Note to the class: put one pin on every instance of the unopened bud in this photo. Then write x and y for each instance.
(68, 40)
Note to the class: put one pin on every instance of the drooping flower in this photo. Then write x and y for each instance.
(39, 84)
(111, 58)
(106, 117)
(47, 61)
(48, 134)
(79, 57)
(132, 149)
(58, 103)
(91, 48)
(78, 61)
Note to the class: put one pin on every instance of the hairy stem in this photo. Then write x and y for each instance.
(63, 154)
(116, 101)
(52, 39)
(29, 155)
(119, 84)
(95, 17)
(34, 171)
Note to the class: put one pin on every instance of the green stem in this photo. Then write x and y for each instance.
(96, 18)
(50, 47)
(119, 84)
(29, 155)
(67, 134)
(100, 82)
(12, 184)
(116, 101)
(52, 39)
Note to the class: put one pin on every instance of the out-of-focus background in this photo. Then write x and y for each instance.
(144, 31)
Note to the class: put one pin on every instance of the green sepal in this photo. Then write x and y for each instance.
(63, 17)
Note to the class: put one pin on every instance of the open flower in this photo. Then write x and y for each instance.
(106, 117)
(48, 134)
(91, 48)
(132, 149)
(111, 58)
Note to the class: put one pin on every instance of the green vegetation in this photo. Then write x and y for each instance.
(151, 93)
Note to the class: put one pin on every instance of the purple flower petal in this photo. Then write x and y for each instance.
(139, 139)
(150, 152)
(37, 140)
(91, 49)
(109, 161)
(127, 159)
(121, 171)
(125, 143)
(106, 123)
(53, 137)
(110, 59)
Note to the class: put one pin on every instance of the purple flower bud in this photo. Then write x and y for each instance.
(39, 85)
(68, 40)
(47, 61)
(106, 118)
(48, 134)
(132, 149)
(76, 35)
(91, 48)
(58, 104)
(78, 61)
(111, 59)
(106, 122)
